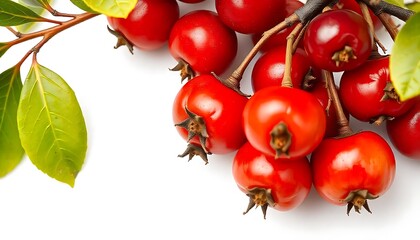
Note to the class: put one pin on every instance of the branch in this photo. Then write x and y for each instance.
(46, 34)
(50, 32)
(381, 6)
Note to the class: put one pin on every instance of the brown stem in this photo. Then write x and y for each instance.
(385, 10)
(287, 77)
(311, 9)
(389, 24)
(303, 15)
(56, 13)
(299, 38)
(342, 121)
(48, 33)
(51, 21)
(236, 76)
(379, 44)
(366, 15)
(16, 33)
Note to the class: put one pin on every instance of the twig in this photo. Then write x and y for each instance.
(287, 79)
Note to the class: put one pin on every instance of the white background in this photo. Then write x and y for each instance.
(133, 185)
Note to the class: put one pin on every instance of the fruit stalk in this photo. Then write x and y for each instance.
(303, 15)
(342, 121)
(233, 80)
(287, 78)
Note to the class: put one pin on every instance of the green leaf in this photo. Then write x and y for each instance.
(112, 8)
(405, 59)
(82, 5)
(3, 48)
(13, 14)
(414, 6)
(51, 125)
(11, 151)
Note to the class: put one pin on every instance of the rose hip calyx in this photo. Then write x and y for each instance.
(185, 70)
(196, 126)
(280, 139)
(343, 55)
(260, 197)
(358, 199)
(195, 150)
(121, 40)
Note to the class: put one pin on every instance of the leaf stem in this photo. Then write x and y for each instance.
(16, 33)
(48, 33)
(48, 20)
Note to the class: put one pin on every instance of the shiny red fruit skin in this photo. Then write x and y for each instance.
(251, 16)
(145, 27)
(269, 68)
(289, 180)
(221, 108)
(362, 161)
(279, 39)
(301, 111)
(404, 132)
(362, 89)
(330, 32)
(202, 40)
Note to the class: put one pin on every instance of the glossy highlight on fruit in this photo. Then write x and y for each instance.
(352, 169)
(282, 185)
(368, 95)
(269, 68)
(216, 108)
(145, 27)
(338, 40)
(284, 122)
(204, 42)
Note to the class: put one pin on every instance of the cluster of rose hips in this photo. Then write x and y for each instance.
(293, 131)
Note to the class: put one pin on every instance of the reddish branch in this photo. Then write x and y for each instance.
(48, 33)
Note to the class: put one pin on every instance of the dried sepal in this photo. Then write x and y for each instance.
(344, 55)
(193, 150)
(358, 199)
(280, 139)
(260, 197)
(121, 40)
(196, 126)
(390, 93)
(185, 70)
